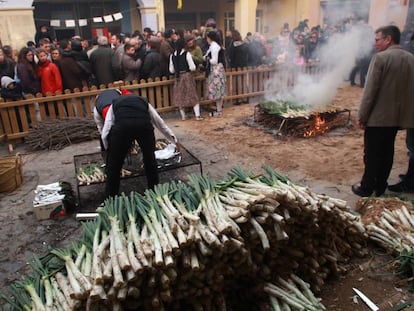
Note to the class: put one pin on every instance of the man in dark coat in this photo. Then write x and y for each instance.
(166, 50)
(72, 74)
(103, 62)
(79, 54)
(406, 183)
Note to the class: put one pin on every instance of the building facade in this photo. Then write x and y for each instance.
(16, 22)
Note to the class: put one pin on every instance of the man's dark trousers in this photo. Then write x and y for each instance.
(409, 176)
(122, 134)
(378, 157)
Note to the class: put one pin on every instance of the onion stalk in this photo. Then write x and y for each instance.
(29, 286)
(80, 284)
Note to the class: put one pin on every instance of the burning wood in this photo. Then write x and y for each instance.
(319, 127)
(290, 120)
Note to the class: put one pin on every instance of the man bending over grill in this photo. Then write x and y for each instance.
(129, 118)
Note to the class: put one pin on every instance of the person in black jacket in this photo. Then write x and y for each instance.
(257, 51)
(238, 51)
(6, 66)
(151, 68)
(82, 59)
(406, 184)
(73, 76)
(238, 57)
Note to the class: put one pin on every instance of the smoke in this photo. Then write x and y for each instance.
(336, 59)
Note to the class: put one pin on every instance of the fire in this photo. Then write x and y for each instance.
(319, 127)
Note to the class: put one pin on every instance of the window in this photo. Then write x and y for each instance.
(259, 19)
(228, 21)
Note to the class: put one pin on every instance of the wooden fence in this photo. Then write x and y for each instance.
(18, 117)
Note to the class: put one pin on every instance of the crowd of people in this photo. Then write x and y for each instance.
(146, 54)
(48, 66)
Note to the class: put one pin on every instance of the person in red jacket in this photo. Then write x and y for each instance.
(50, 78)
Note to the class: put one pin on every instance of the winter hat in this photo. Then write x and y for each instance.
(5, 81)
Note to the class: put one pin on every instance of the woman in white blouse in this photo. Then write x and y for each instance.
(216, 79)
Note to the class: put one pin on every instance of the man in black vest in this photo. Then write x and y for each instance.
(129, 118)
(102, 103)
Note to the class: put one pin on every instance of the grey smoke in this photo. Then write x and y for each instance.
(337, 57)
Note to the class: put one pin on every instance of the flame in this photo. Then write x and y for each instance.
(319, 127)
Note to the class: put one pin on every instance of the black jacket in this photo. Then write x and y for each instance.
(238, 54)
(7, 68)
(256, 53)
(102, 63)
(151, 68)
(132, 107)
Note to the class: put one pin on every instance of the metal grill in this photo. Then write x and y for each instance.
(301, 126)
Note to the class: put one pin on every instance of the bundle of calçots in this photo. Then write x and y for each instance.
(389, 223)
(90, 174)
(95, 173)
(246, 243)
(393, 229)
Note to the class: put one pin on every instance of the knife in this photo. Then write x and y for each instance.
(365, 299)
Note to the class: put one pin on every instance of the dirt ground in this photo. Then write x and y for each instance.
(328, 164)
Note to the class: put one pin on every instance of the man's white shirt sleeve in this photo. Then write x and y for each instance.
(99, 121)
(109, 121)
(159, 123)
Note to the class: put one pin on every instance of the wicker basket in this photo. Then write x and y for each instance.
(11, 175)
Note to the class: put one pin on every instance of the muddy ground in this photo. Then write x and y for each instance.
(328, 164)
